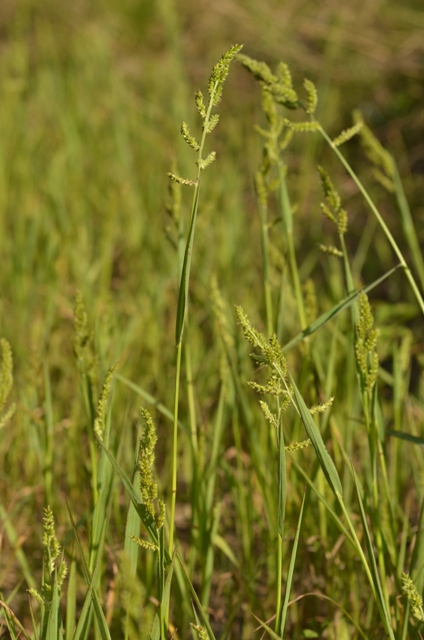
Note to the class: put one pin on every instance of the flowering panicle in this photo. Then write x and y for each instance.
(99, 422)
(51, 553)
(414, 598)
(332, 208)
(209, 121)
(271, 355)
(366, 345)
(148, 486)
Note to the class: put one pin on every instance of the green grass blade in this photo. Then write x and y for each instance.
(203, 615)
(267, 628)
(380, 219)
(332, 313)
(223, 545)
(417, 560)
(322, 499)
(71, 600)
(185, 275)
(143, 514)
(408, 224)
(324, 459)
(150, 399)
(337, 605)
(52, 628)
(155, 632)
(146, 518)
(10, 530)
(406, 436)
(132, 528)
(91, 598)
(381, 603)
(13, 622)
(291, 572)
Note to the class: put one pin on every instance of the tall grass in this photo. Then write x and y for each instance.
(208, 512)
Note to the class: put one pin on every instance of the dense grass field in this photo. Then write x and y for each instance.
(211, 368)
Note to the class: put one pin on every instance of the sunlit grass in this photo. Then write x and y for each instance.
(314, 539)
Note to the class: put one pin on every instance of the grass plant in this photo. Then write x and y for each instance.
(203, 512)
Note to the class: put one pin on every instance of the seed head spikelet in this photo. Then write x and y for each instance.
(414, 598)
(146, 460)
(259, 70)
(366, 345)
(202, 164)
(297, 446)
(272, 356)
(191, 140)
(220, 72)
(201, 632)
(301, 127)
(145, 544)
(99, 422)
(320, 408)
(330, 192)
(200, 104)
(269, 107)
(332, 209)
(269, 415)
(347, 134)
(327, 212)
(331, 250)
(211, 124)
(312, 99)
(180, 180)
(51, 551)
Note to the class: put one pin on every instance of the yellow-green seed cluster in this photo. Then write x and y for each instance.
(146, 460)
(414, 598)
(332, 207)
(366, 345)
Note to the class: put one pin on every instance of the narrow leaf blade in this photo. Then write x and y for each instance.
(324, 459)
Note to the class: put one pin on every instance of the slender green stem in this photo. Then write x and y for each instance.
(181, 314)
(279, 609)
(262, 208)
(175, 451)
(288, 222)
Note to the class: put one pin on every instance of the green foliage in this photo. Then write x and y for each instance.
(86, 141)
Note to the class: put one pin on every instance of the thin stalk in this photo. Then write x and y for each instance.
(181, 315)
(262, 209)
(175, 451)
(377, 214)
(288, 222)
(279, 608)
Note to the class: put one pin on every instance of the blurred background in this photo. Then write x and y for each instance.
(92, 95)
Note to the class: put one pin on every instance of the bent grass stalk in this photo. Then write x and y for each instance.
(377, 214)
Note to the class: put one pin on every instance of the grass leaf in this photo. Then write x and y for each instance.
(324, 459)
